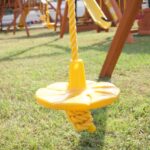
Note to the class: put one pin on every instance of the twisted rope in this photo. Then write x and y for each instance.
(72, 30)
(82, 120)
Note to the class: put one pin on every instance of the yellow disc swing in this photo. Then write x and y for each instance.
(78, 96)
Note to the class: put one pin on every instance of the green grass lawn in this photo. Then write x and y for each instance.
(27, 64)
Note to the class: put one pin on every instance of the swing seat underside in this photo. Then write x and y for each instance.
(96, 95)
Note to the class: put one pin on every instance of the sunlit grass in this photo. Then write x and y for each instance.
(27, 64)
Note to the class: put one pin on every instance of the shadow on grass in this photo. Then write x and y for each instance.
(99, 46)
(40, 35)
(135, 48)
(95, 141)
(65, 49)
(141, 46)
(18, 53)
(35, 36)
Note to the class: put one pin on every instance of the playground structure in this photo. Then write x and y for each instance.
(3, 6)
(43, 6)
(83, 23)
(102, 13)
(22, 9)
(95, 11)
(106, 9)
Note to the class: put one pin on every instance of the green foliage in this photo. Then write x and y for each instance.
(27, 64)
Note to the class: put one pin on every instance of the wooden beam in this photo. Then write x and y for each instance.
(120, 38)
(58, 13)
(64, 21)
(130, 38)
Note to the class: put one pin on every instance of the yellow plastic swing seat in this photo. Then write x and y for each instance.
(96, 95)
(78, 97)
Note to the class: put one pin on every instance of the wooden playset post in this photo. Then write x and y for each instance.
(130, 38)
(64, 21)
(120, 38)
(1, 12)
(22, 8)
(16, 14)
(23, 13)
(18, 10)
(58, 13)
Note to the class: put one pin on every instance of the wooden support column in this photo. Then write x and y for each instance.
(18, 10)
(120, 38)
(58, 13)
(130, 38)
(2, 12)
(64, 21)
